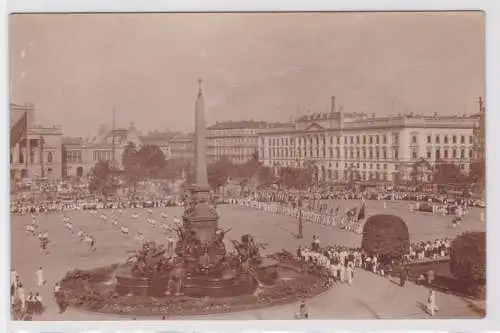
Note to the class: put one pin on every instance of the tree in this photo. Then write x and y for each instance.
(448, 173)
(219, 172)
(151, 160)
(266, 176)
(477, 172)
(129, 151)
(385, 235)
(132, 169)
(468, 257)
(418, 171)
(103, 179)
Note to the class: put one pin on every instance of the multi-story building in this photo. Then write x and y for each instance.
(341, 146)
(182, 147)
(37, 153)
(236, 140)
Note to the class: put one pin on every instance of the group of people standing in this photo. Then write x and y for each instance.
(26, 305)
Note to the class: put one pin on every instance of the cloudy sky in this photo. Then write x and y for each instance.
(76, 68)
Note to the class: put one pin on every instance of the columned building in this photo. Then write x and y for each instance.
(340, 146)
(38, 152)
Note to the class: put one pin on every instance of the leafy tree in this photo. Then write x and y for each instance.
(103, 179)
(219, 172)
(385, 235)
(468, 257)
(418, 170)
(448, 173)
(477, 172)
(132, 170)
(266, 176)
(151, 160)
(129, 151)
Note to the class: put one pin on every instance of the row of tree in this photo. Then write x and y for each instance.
(149, 162)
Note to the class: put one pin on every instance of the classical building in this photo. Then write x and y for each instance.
(81, 154)
(236, 140)
(341, 146)
(36, 152)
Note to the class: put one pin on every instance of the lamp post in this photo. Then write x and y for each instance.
(300, 234)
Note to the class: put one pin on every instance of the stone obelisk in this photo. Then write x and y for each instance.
(200, 217)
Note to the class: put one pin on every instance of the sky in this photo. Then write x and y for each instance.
(77, 68)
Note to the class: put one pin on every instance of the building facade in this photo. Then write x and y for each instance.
(38, 153)
(342, 146)
(182, 147)
(236, 140)
(80, 155)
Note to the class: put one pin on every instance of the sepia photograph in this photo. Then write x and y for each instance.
(247, 166)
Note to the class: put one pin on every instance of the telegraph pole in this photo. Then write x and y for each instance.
(113, 148)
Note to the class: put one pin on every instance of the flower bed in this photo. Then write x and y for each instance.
(88, 290)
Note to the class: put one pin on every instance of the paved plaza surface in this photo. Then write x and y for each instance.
(369, 296)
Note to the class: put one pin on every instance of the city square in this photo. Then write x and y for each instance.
(369, 297)
(315, 211)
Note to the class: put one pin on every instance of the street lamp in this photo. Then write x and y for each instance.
(300, 234)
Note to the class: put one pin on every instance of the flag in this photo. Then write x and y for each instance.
(18, 131)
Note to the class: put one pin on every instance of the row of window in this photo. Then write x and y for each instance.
(316, 139)
(102, 155)
(446, 139)
(365, 153)
(21, 159)
(74, 156)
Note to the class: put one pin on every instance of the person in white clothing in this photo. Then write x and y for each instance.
(431, 303)
(39, 276)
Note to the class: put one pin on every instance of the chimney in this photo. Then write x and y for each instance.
(332, 105)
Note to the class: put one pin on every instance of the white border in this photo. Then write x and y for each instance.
(492, 9)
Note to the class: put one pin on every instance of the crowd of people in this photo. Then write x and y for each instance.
(342, 261)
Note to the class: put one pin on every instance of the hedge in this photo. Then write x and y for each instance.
(468, 257)
(385, 235)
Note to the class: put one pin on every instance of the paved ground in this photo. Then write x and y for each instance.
(359, 301)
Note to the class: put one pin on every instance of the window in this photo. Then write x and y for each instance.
(396, 154)
(352, 140)
(470, 153)
(377, 139)
(462, 153)
(470, 139)
(454, 153)
(371, 139)
(429, 154)
(384, 138)
(385, 153)
(49, 157)
(429, 139)
(378, 166)
(437, 139)
(331, 152)
(446, 139)
(438, 154)
(364, 165)
(414, 139)
(446, 153)
(462, 139)
(414, 155)
(385, 166)
(370, 152)
(364, 139)
(357, 139)
(338, 140)
(454, 139)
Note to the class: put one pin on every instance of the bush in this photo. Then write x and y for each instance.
(385, 235)
(468, 257)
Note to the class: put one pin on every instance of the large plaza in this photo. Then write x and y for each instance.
(369, 296)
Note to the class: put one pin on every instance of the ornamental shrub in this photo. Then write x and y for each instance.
(385, 235)
(468, 257)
